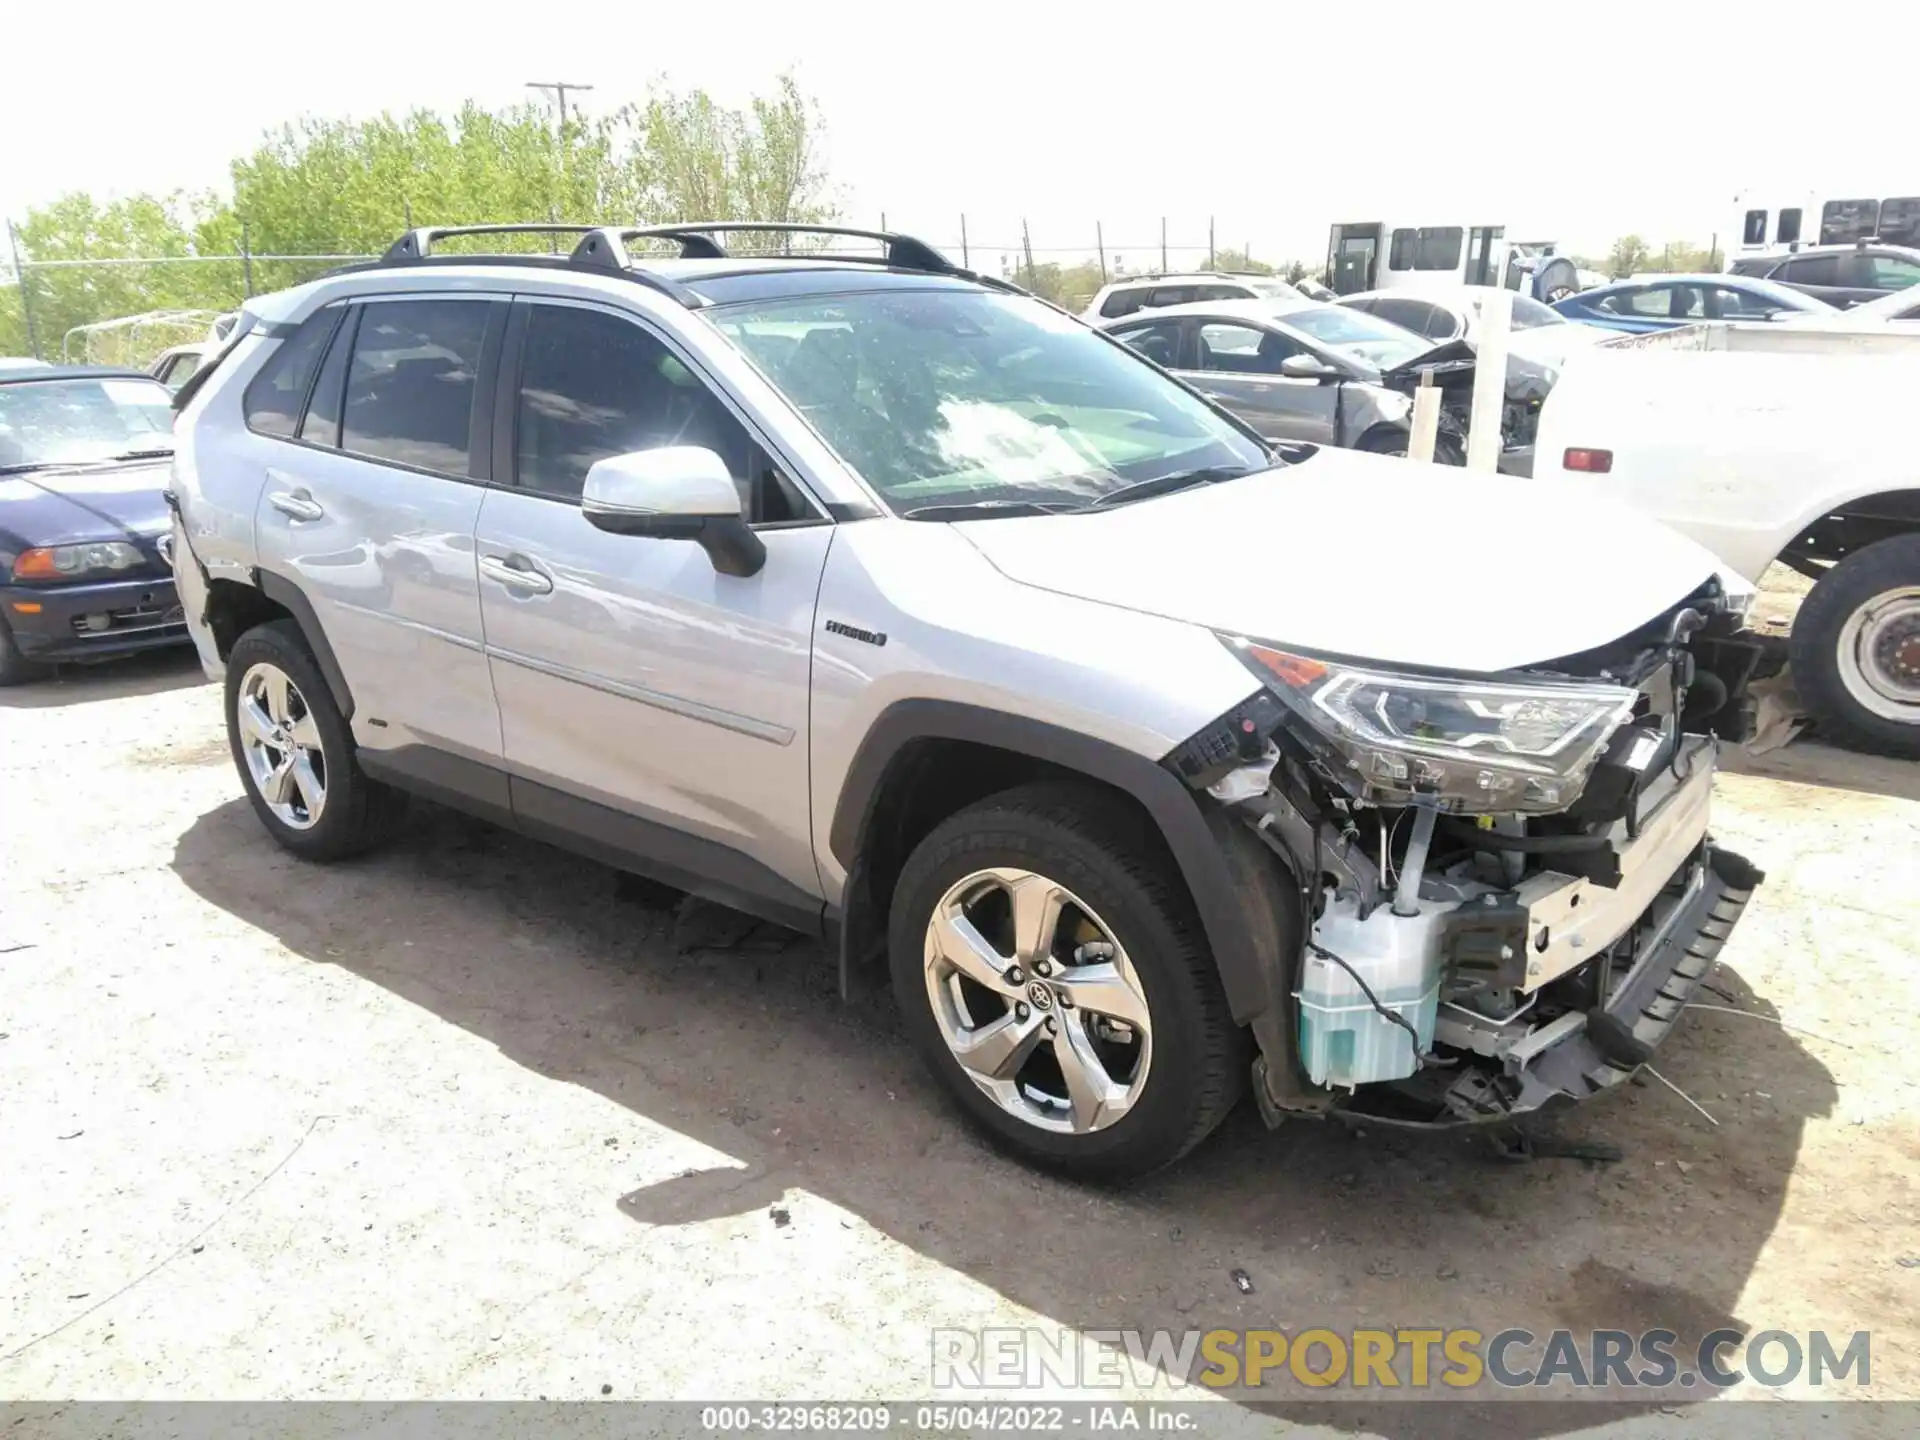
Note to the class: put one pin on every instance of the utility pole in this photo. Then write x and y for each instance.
(559, 89)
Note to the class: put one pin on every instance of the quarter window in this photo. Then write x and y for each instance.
(1890, 272)
(410, 384)
(277, 395)
(593, 385)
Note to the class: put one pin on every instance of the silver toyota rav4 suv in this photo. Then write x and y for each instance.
(885, 601)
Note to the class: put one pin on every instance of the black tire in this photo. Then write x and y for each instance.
(358, 813)
(1818, 634)
(1386, 440)
(15, 668)
(1098, 848)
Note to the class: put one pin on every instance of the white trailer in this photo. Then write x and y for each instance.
(1379, 255)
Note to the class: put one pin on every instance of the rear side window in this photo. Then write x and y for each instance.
(1122, 302)
(278, 394)
(1811, 270)
(1222, 292)
(1172, 295)
(411, 381)
(1890, 272)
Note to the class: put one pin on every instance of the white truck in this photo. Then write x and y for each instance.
(1774, 443)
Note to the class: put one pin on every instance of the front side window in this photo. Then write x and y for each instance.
(1731, 304)
(1243, 349)
(593, 384)
(1159, 342)
(940, 397)
(276, 396)
(411, 380)
(1844, 221)
(80, 421)
(1652, 303)
(1890, 272)
(1530, 314)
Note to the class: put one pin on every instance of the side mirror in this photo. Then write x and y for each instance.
(1307, 367)
(678, 492)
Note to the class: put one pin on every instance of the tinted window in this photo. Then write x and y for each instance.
(1659, 302)
(1222, 292)
(1789, 231)
(180, 369)
(1900, 221)
(1172, 295)
(410, 386)
(1811, 270)
(1844, 220)
(1731, 304)
(1122, 302)
(1753, 230)
(594, 385)
(1243, 349)
(322, 422)
(1757, 265)
(1160, 342)
(1439, 248)
(1405, 253)
(1890, 272)
(1415, 315)
(277, 394)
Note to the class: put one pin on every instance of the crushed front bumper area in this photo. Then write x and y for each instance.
(1581, 1053)
(89, 621)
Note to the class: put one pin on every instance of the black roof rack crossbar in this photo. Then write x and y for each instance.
(607, 248)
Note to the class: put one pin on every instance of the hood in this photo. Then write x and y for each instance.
(57, 507)
(1550, 345)
(1369, 557)
(1450, 360)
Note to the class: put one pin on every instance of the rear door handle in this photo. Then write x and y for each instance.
(296, 504)
(516, 572)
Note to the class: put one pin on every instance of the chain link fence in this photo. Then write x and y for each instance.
(125, 310)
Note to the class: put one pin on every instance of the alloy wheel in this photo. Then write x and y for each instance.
(1037, 1001)
(281, 743)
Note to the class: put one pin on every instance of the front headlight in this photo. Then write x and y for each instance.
(1473, 746)
(73, 562)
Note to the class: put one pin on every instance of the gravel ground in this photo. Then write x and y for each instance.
(473, 1119)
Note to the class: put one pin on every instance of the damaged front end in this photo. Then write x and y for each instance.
(1452, 366)
(1506, 887)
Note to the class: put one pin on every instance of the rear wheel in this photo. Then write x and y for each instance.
(1047, 965)
(1855, 648)
(295, 753)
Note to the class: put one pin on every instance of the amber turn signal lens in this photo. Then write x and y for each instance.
(1295, 670)
(35, 565)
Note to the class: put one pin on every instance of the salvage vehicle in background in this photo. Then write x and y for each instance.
(1151, 292)
(1666, 302)
(1327, 374)
(84, 533)
(1771, 443)
(1538, 333)
(1778, 221)
(883, 600)
(1842, 275)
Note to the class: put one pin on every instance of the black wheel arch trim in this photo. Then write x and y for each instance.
(284, 593)
(1252, 981)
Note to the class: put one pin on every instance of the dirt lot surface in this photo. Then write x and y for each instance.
(462, 1120)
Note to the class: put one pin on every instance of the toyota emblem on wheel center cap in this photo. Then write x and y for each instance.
(1041, 995)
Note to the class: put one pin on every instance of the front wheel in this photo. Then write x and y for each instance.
(15, 668)
(1046, 964)
(1855, 648)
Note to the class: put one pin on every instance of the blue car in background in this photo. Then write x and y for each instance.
(1664, 302)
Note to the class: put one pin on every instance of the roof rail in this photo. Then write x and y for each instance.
(417, 244)
(606, 247)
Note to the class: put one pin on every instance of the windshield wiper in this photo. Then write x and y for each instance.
(982, 509)
(1167, 484)
(151, 454)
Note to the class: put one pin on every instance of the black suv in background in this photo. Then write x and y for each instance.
(1842, 275)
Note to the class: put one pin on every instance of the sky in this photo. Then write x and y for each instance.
(1272, 123)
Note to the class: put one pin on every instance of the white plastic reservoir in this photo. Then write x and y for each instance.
(1343, 1039)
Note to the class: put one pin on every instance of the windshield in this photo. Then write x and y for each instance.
(1274, 290)
(968, 397)
(71, 422)
(1376, 342)
(1528, 313)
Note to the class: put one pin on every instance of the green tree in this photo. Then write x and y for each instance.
(329, 187)
(1238, 262)
(1629, 256)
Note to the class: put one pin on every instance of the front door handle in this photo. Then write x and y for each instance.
(296, 504)
(516, 572)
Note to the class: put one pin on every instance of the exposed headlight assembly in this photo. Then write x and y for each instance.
(71, 562)
(1471, 746)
